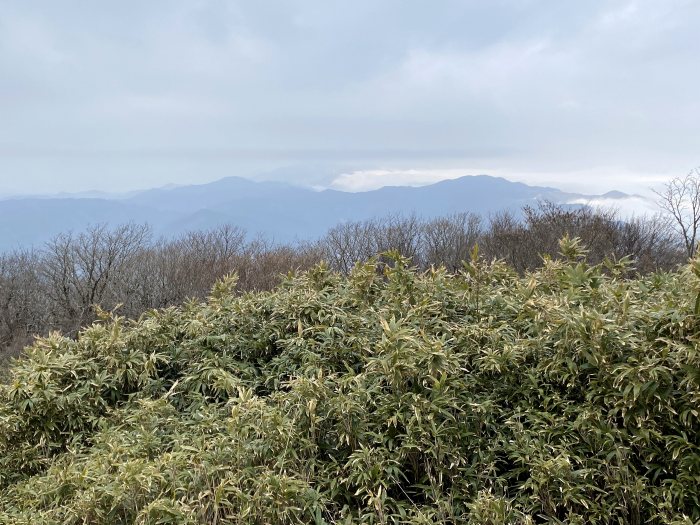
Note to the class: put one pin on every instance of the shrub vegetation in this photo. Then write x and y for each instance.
(54, 287)
(569, 394)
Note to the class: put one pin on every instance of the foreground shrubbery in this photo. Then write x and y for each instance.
(54, 287)
(389, 396)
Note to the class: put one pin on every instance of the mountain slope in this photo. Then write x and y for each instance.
(28, 222)
(280, 211)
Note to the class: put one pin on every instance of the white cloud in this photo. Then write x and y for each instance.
(366, 180)
(593, 181)
(633, 206)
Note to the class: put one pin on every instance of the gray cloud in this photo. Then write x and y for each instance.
(133, 94)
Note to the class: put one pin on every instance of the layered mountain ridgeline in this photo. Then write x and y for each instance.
(570, 394)
(279, 211)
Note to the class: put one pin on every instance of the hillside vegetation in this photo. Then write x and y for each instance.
(55, 287)
(567, 394)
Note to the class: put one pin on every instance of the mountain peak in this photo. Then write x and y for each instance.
(275, 209)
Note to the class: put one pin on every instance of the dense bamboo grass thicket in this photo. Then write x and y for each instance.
(570, 394)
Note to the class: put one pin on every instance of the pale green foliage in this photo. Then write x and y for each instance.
(389, 396)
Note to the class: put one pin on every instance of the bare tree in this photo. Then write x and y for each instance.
(262, 264)
(680, 198)
(650, 241)
(400, 233)
(81, 270)
(507, 238)
(548, 222)
(448, 240)
(350, 242)
(23, 305)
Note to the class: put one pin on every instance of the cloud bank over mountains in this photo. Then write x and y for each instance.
(136, 94)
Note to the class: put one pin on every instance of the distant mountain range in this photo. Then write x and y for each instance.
(281, 212)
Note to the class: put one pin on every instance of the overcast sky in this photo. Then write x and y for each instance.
(584, 95)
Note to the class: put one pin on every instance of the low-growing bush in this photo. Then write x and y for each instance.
(567, 395)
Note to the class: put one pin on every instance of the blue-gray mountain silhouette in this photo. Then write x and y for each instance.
(279, 211)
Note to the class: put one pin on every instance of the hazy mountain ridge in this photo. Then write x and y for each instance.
(278, 210)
